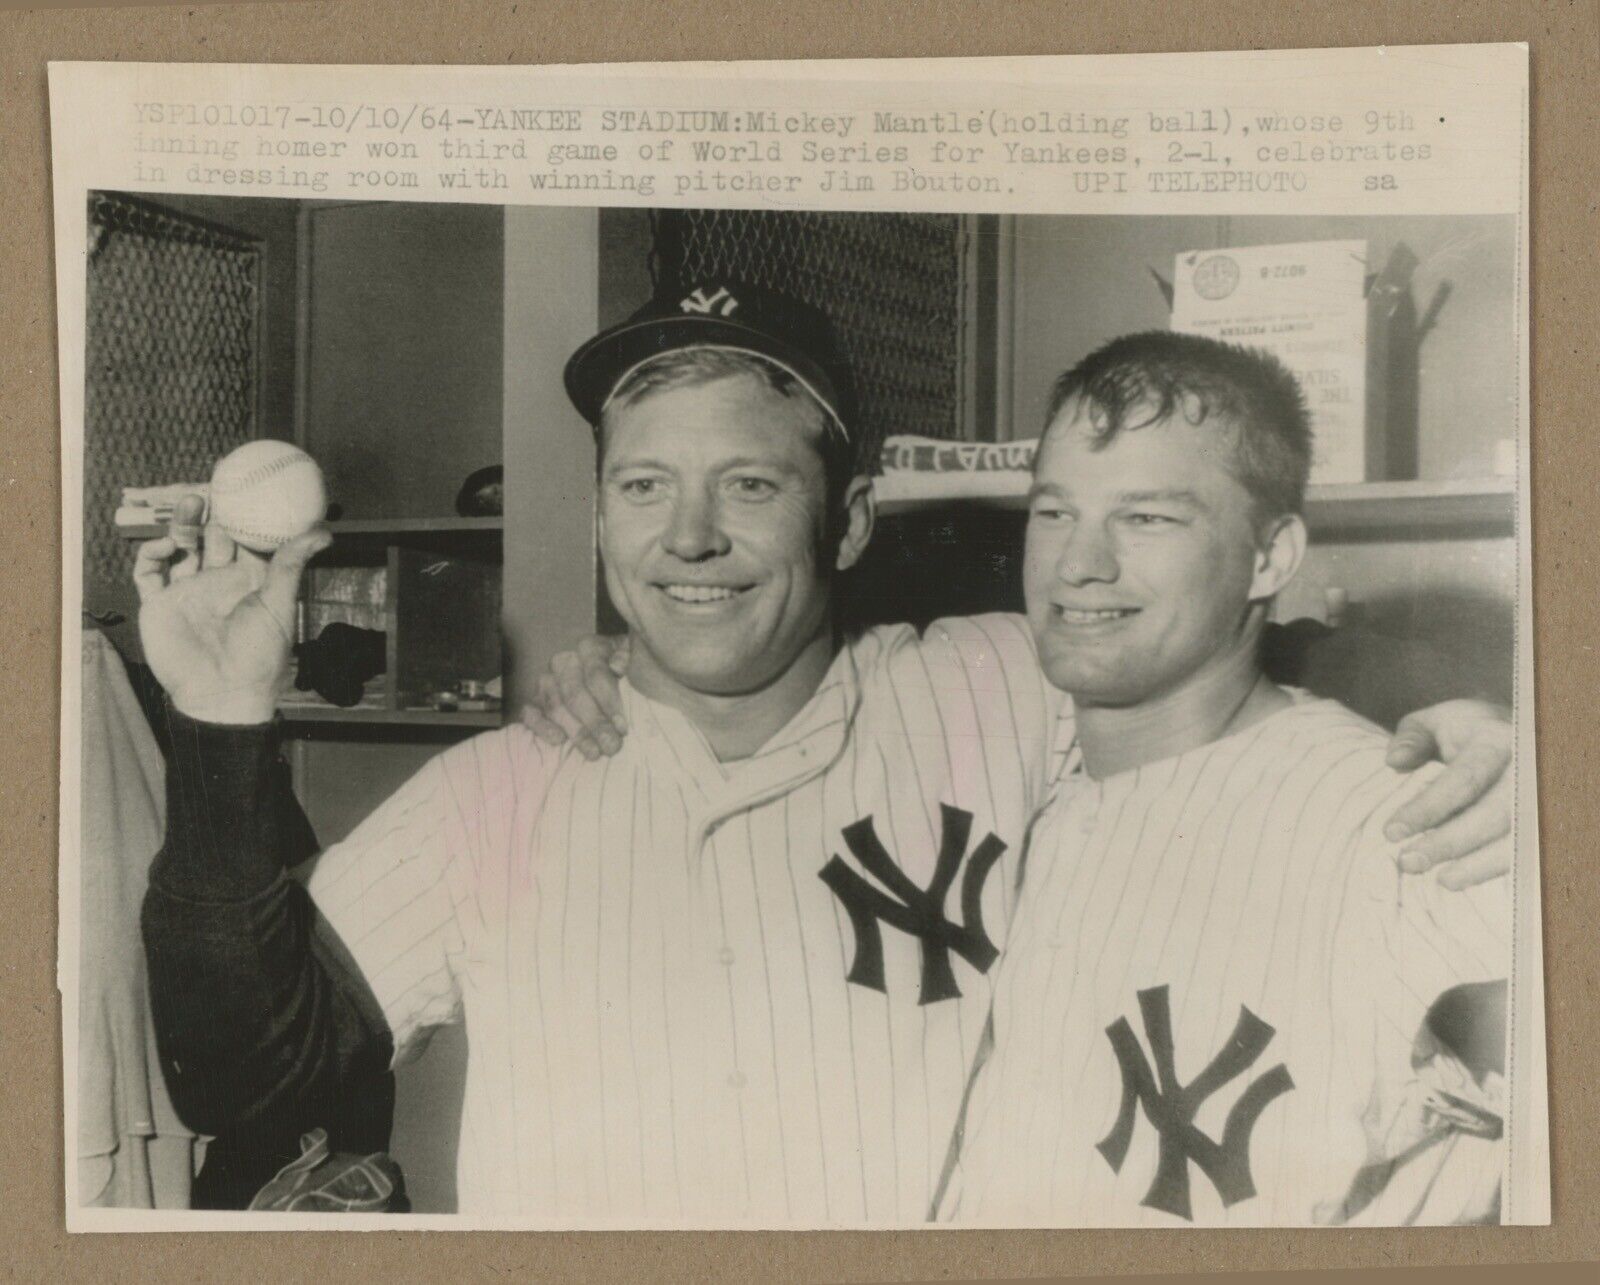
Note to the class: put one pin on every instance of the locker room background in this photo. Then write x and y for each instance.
(407, 345)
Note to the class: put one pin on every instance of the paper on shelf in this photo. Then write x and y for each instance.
(1306, 304)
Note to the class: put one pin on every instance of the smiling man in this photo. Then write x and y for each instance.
(1222, 999)
(927, 759)
(713, 980)
(735, 974)
(718, 495)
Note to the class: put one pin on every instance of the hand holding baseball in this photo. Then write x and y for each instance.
(265, 493)
(217, 621)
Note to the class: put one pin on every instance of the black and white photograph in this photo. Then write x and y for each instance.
(758, 712)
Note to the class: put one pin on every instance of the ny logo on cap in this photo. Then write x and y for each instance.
(722, 303)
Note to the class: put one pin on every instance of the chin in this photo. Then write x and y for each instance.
(712, 675)
(1071, 669)
(1089, 684)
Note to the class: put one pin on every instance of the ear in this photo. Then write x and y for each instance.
(1279, 557)
(860, 513)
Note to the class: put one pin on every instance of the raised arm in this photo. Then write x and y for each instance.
(259, 1024)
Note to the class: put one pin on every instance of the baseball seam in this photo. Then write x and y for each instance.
(243, 535)
(262, 472)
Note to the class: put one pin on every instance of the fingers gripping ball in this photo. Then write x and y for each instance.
(266, 493)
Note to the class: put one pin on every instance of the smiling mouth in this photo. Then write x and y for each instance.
(1078, 616)
(700, 594)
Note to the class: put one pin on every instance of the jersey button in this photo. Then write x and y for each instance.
(725, 956)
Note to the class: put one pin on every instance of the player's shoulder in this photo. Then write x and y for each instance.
(1331, 750)
(1000, 635)
(507, 744)
(1384, 910)
(876, 647)
(1315, 725)
(985, 644)
(959, 657)
(453, 811)
(501, 764)
(1339, 761)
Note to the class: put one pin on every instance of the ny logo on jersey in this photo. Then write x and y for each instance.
(919, 912)
(1171, 1106)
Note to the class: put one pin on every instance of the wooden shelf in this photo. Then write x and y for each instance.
(1373, 509)
(398, 528)
(1010, 493)
(1484, 505)
(419, 546)
(152, 531)
(296, 712)
(382, 528)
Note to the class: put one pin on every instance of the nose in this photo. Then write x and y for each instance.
(694, 533)
(1087, 557)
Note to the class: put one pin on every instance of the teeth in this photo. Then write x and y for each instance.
(698, 593)
(1092, 617)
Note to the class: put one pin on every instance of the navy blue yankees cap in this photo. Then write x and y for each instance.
(735, 316)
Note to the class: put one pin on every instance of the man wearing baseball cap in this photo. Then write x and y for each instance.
(670, 1016)
(734, 974)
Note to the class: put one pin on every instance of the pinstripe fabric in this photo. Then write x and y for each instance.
(652, 973)
(1251, 871)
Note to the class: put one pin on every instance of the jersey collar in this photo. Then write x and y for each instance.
(803, 748)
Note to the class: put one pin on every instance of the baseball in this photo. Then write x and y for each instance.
(267, 492)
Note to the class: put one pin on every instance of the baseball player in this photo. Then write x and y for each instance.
(1222, 1000)
(577, 698)
(736, 974)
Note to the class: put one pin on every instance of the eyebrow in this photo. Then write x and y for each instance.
(1172, 495)
(615, 465)
(753, 461)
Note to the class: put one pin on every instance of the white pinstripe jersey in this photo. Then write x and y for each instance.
(652, 971)
(1247, 874)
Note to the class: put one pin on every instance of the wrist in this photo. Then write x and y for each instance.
(225, 817)
(229, 709)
